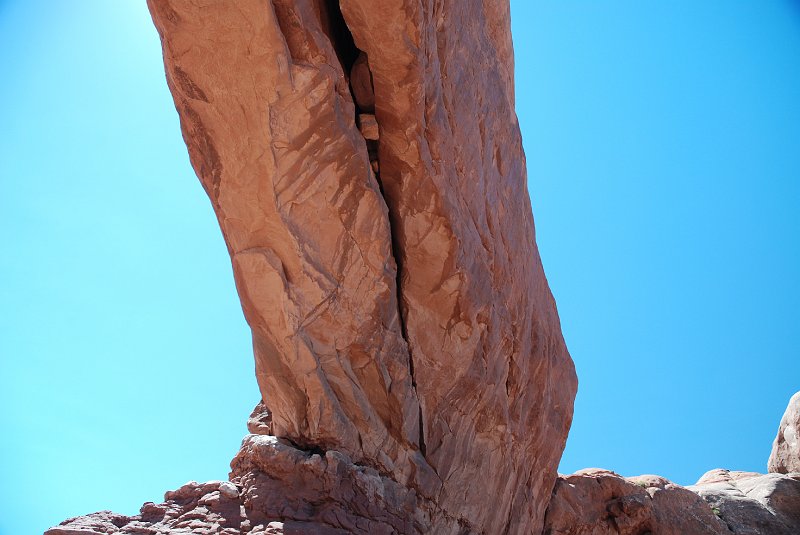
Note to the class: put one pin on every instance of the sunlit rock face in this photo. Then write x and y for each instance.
(365, 164)
(600, 502)
(722, 502)
(785, 456)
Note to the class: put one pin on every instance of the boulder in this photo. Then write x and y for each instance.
(361, 84)
(785, 456)
(753, 504)
(260, 420)
(600, 502)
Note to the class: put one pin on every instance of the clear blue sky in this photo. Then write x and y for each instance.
(663, 146)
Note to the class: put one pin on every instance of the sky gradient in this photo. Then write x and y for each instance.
(663, 149)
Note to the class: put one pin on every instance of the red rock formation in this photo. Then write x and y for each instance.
(365, 165)
(279, 489)
(600, 502)
(386, 265)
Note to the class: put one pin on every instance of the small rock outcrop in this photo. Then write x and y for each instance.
(753, 504)
(600, 502)
(260, 420)
(785, 456)
(276, 488)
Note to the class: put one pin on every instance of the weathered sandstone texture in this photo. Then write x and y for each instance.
(365, 164)
(277, 488)
(600, 502)
(785, 456)
(751, 503)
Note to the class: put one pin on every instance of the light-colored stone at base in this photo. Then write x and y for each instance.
(785, 456)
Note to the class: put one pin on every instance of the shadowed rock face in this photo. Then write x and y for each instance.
(383, 245)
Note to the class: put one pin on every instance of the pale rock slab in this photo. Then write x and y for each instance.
(785, 456)
(753, 504)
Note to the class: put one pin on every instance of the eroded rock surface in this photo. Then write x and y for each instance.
(277, 488)
(366, 168)
(365, 165)
(785, 456)
(600, 502)
(260, 420)
(753, 504)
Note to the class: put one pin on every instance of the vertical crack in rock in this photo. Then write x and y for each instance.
(303, 217)
(369, 179)
(365, 165)
(474, 295)
(403, 325)
(355, 64)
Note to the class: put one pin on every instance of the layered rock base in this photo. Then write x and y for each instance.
(277, 488)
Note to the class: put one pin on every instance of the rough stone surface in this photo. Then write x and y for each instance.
(751, 503)
(365, 165)
(383, 248)
(399, 309)
(362, 85)
(785, 456)
(276, 488)
(260, 420)
(600, 502)
(368, 127)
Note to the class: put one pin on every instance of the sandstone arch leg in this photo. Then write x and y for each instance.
(383, 248)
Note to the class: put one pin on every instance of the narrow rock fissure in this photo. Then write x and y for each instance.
(338, 32)
(311, 449)
(355, 64)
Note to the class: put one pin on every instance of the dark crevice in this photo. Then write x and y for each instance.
(311, 449)
(404, 331)
(355, 66)
(334, 26)
(422, 447)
